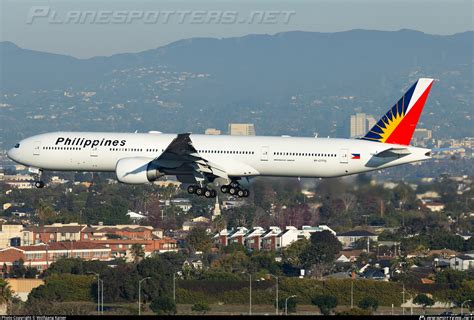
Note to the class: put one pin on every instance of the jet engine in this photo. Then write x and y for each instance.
(137, 170)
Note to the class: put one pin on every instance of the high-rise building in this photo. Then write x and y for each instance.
(241, 129)
(422, 134)
(360, 123)
(212, 131)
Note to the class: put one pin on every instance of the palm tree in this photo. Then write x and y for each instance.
(5, 294)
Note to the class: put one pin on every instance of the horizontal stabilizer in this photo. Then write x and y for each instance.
(393, 152)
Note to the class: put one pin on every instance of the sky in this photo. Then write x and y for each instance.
(85, 28)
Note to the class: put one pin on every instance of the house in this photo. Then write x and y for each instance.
(126, 231)
(253, 238)
(42, 255)
(292, 234)
(14, 235)
(348, 239)
(462, 262)
(221, 239)
(121, 248)
(269, 238)
(349, 255)
(238, 235)
(375, 274)
(56, 232)
(193, 263)
(196, 222)
(182, 203)
(135, 217)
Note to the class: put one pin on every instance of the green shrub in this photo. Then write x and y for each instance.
(368, 303)
(325, 303)
(163, 305)
(201, 307)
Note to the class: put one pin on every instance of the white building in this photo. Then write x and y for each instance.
(462, 263)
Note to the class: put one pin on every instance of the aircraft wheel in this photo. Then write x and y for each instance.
(241, 193)
(233, 191)
(246, 193)
(234, 184)
(200, 191)
(191, 189)
(225, 189)
(39, 184)
(208, 193)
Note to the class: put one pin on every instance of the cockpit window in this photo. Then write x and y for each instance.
(17, 145)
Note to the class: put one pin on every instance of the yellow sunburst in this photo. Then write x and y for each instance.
(393, 120)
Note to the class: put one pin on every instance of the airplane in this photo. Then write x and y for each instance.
(229, 161)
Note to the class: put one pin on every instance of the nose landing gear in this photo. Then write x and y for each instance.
(39, 184)
(37, 175)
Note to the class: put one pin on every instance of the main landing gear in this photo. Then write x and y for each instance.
(208, 193)
(234, 189)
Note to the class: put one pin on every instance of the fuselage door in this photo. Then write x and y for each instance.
(264, 154)
(36, 148)
(344, 156)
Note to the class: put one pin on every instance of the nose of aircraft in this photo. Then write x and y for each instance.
(11, 153)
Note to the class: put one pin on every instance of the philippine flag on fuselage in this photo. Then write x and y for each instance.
(355, 155)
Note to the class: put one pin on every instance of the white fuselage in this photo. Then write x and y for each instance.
(239, 156)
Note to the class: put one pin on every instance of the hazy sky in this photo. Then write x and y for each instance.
(85, 28)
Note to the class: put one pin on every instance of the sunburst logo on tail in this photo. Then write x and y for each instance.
(398, 124)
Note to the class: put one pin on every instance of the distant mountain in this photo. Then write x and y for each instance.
(292, 82)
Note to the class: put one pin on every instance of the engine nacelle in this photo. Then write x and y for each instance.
(137, 170)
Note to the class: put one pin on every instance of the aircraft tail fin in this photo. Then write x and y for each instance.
(399, 123)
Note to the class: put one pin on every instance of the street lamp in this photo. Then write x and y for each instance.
(462, 305)
(140, 294)
(174, 285)
(276, 295)
(286, 303)
(100, 292)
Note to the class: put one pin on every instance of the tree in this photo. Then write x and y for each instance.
(5, 291)
(163, 305)
(201, 307)
(31, 273)
(368, 303)
(137, 252)
(18, 269)
(321, 252)
(325, 303)
(199, 240)
(423, 300)
(293, 253)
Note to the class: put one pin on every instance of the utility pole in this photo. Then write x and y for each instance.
(250, 294)
(403, 298)
(276, 295)
(352, 294)
(174, 287)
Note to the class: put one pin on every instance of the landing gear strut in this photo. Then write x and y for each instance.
(37, 175)
(200, 191)
(234, 189)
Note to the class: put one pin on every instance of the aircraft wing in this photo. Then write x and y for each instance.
(181, 153)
